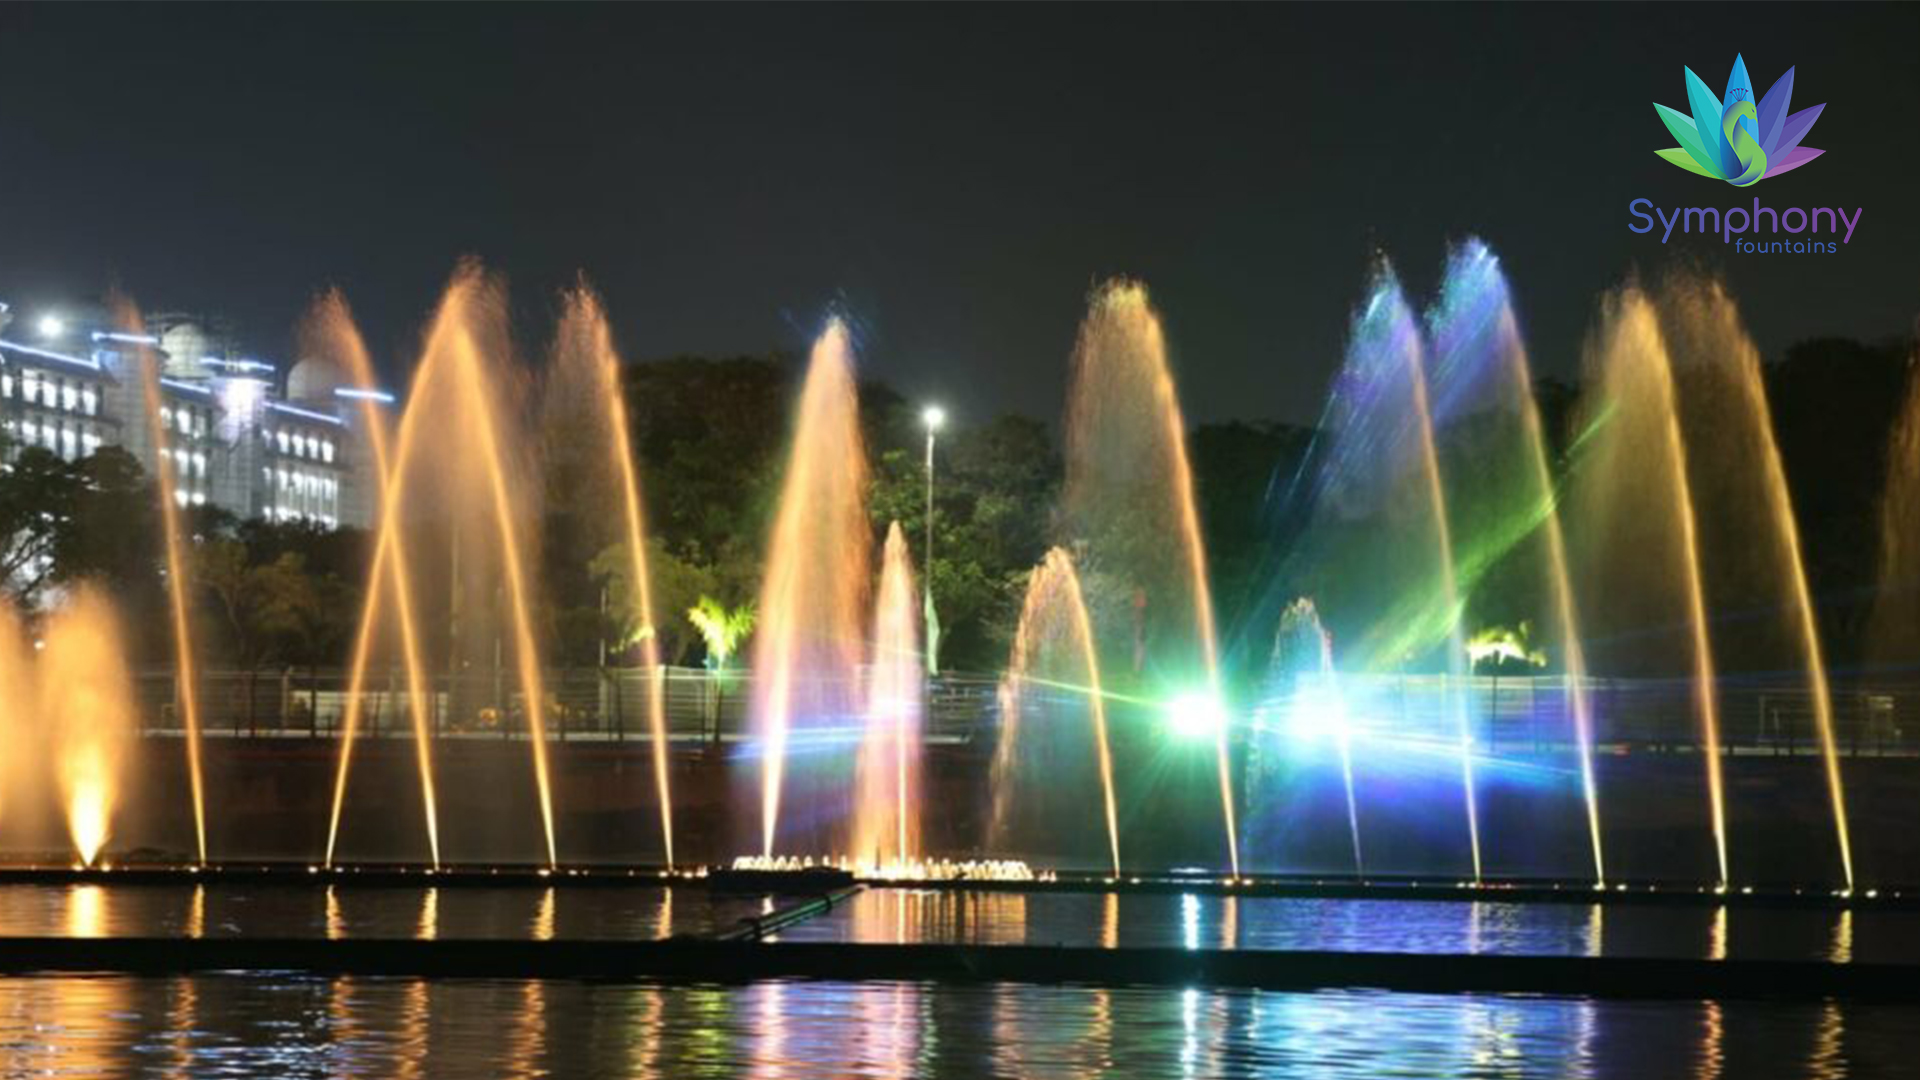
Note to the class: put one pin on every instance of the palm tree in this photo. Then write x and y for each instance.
(723, 630)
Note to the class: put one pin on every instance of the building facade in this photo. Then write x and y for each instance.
(240, 433)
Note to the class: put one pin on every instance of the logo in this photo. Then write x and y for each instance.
(1734, 139)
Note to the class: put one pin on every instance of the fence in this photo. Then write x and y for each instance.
(1529, 714)
(607, 704)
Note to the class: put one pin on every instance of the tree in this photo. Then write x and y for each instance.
(39, 496)
(723, 630)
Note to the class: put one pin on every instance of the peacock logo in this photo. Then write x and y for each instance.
(1736, 138)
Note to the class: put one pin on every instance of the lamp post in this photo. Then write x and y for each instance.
(933, 417)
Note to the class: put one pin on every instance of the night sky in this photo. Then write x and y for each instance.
(954, 178)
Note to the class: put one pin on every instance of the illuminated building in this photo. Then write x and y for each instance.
(244, 436)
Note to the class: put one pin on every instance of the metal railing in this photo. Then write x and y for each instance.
(606, 704)
(1527, 714)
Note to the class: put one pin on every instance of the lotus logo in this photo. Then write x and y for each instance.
(1733, 139)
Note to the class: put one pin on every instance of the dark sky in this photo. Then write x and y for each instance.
(956, 177)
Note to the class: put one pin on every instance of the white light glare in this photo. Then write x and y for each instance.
(1196, 715)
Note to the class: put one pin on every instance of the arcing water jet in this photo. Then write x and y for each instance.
(586, 342)
(1634, 488)
(1449, 583)
(469, 372)
(127, 316)
(1706, 330)
(330, 332)
(1129, 491)
(451, 393)
(887, 806)
(807, 645)
(1053, 617)
(1477, 341)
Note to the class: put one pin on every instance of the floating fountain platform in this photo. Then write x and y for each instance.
(799, 878)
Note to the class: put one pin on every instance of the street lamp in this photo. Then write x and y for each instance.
(52, 326)
(933, 418)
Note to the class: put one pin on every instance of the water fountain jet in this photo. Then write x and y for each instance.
(807, 645)
(87, 702)
(330, 332)
(1054, 609)
(133, 331)
(886, 818)
(1127, 465)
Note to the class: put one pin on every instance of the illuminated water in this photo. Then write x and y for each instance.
(1713, 350)
(86, 700)
(1129, 499)
(586, 365)
(280, 1026)
(166, 484)
(1502, 483)
(887, 803)
(467, 470)
(1035, 781)
(331, 334)
(1638, 531)
(808, 644)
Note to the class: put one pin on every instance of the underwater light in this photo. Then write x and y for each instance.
(1197, 715)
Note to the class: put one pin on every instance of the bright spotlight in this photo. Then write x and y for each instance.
(1196, 715)
(934, 417)
(52, 326)
(1317, 712)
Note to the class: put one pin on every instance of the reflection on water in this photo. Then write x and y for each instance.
(120, 909)
(369, 1027)
(85, 917)
(429, 926)
(1197, 921)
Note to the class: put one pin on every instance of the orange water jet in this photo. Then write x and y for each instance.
(1053, 590)
(1633, 370)
(584, 338)
(470, 377)
(807, 646)
(127, 317)
(1119, 367)
(886, 824)
(331, 332)
(87, 701)
(1707, 326)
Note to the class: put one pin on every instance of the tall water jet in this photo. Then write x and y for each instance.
(1639, 536)
(1375, 551)
(886, 813)
(1484, 390)
(87, 700)
(1723, 392)
(457, 393)
(1032, 780)
(591, 407)
(330, 333)
(134, 337)
(807, 646)
(480, 321)
(1129, 495)
(1449, 584)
